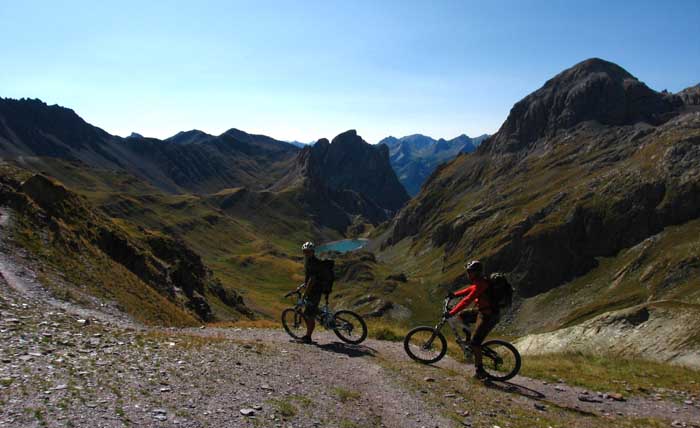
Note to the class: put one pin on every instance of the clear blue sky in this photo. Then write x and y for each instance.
(309, 69)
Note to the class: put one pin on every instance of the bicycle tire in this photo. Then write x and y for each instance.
(515, 354)
(297, 319)
(338, 319)
(438, 335)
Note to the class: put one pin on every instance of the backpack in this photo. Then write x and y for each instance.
(326, 275)
(500, 291)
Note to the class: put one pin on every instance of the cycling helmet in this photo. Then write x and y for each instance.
(308, 246)
(474, 266)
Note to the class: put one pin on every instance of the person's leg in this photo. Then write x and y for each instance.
(310, 325)
(481, 329)
(467, 318)
(478, 359)
(310, 315)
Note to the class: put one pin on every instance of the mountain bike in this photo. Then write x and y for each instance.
(428, 345)
(347, 325)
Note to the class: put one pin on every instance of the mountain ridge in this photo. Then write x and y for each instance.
(31, 128)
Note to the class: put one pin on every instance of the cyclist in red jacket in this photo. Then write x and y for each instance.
(486, 315)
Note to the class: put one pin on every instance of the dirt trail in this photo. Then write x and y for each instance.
(55, 371)
(526, 389)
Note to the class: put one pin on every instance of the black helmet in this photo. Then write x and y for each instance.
(474, 266)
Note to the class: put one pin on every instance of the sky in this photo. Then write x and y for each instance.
(304, 70)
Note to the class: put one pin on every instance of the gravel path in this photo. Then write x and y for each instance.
(68, 366)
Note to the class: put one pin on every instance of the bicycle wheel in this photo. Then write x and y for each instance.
(293, 323)
(425, 344)
(349, 327)
(501, 359)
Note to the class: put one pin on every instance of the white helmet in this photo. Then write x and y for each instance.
(308, 246)
(474, 266)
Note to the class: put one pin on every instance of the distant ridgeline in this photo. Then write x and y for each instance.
(347, 182)
(415, 157)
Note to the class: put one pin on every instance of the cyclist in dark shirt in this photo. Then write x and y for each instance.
(312, 288)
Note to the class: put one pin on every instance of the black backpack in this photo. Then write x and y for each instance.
(326, 275)
(500, 290)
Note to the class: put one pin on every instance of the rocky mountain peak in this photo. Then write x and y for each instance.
(349, 162)
(345, 178)
(192, 136)
(592, 90)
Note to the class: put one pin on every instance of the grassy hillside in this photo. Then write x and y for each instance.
(249, 239)
(588, 213)
(587, 208)
(155, 277)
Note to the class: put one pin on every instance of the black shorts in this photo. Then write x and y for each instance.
(484, 324)
(312, 303)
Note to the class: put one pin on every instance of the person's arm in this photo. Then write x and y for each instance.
(480, 288)
(469, 297)
(464, 291)
(310, 286)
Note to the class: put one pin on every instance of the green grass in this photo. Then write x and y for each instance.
(92, 272)
(611, 374)
(285, 407)
(387, 333)
(345, 395)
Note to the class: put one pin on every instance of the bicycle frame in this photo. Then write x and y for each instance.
(455, 331)
(441, 324)
(486, 351)
(325, 315)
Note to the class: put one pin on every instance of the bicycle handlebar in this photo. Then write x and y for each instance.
(446, 304)
(295, 291)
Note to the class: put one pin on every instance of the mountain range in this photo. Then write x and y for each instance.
(415, 157)
(196, 162)
(587, 197)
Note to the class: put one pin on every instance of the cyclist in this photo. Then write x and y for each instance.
(312, 288)
(485, 316)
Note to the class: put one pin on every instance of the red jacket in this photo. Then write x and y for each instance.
(474, 293)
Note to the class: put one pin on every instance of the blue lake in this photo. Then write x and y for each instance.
(343, 246)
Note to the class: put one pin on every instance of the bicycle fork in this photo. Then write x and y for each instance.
(429, 343)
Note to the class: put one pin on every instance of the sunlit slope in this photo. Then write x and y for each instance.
(587, 197)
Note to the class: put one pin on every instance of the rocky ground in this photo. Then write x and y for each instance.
(63, 366)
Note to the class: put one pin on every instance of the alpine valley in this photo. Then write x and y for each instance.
(587, 198)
